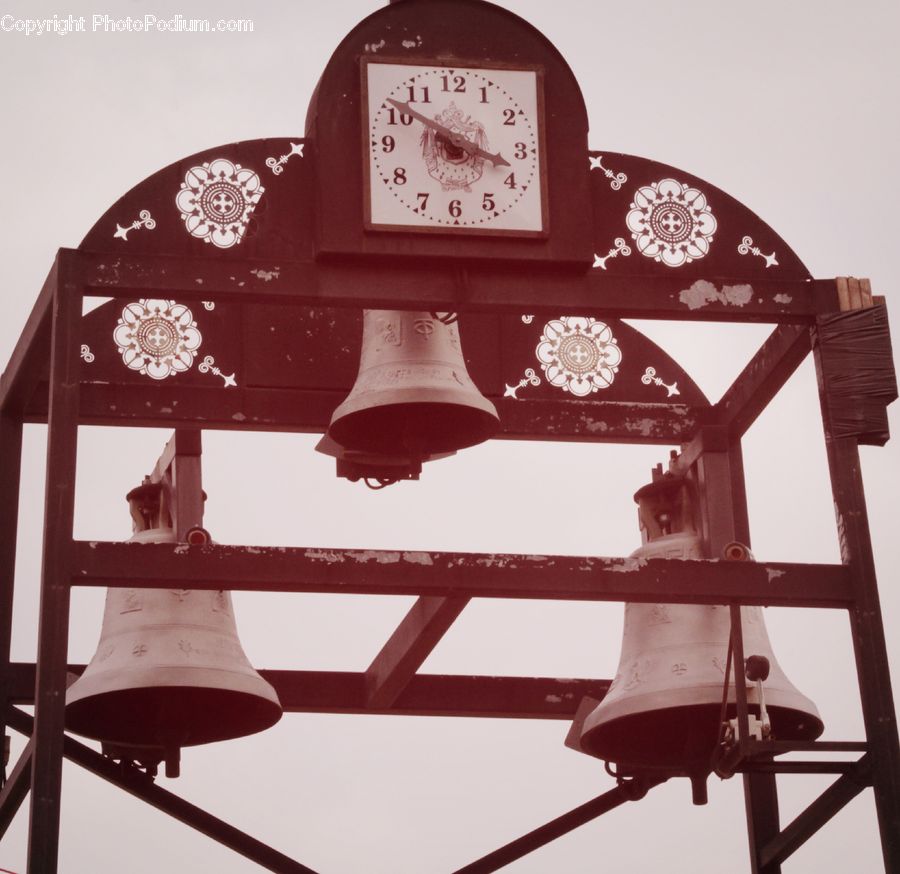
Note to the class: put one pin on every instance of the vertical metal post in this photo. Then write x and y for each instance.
(53, 628)
(10, 472)
(868, 641)
(724, 517)
(187, 483)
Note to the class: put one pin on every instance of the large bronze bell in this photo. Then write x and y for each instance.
(664, 708)
(169, 670)
(413, 395)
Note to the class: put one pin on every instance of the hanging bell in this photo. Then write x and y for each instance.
(664, 707)
(169, 670)
(413, 396)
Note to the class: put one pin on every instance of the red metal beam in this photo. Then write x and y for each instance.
(482, 288)
(425, 694)
(53, 627)
(407, 648)
(499, 575)
(256, 409)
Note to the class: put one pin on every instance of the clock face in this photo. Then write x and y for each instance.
(453, 148)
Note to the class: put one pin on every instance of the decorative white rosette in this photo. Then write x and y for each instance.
(578, 355)
(216, 201)
(158, 338)
(671, 222)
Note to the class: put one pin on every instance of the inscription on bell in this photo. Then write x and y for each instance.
(181, 594)
(139, 649)
(390, 332)
(425, 327)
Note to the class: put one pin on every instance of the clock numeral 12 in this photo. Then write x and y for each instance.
(458, 82)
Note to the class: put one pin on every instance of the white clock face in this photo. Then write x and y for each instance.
(453, 148)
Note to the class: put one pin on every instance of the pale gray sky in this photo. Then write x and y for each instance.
(789, 107)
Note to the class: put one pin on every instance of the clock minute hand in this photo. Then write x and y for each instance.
(456, 139)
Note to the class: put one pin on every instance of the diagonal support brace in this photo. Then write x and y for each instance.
(137, 783)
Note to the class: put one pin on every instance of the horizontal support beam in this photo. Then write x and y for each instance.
(136, 782)
(163, 405)
(471, 575)
(382, 284)
(424, 695)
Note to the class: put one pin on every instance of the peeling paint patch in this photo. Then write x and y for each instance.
(774, 574)
(181, 549)
(699, 294)
(266, 275)
(423, 558)
(737, 295)
(627, 565)
(703, 292)
(553, 699)
(373, 47)
(239, 417)
(380, 556)
(595, 426)
(324, 555)
(782, 298)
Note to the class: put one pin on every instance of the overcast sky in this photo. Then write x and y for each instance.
(791, 107)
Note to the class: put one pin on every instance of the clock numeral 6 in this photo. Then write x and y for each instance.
(455, 208)
(488, 203)
(400, 176)
(387, 144)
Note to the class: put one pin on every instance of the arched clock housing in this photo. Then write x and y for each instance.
(423, 151)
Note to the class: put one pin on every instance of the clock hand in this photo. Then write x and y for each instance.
(454, 138)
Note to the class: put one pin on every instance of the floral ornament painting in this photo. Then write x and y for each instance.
(671, 222)
(158, 338)
(578, 355)
(216, 201)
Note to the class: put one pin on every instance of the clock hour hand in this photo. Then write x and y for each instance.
(452, 137)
